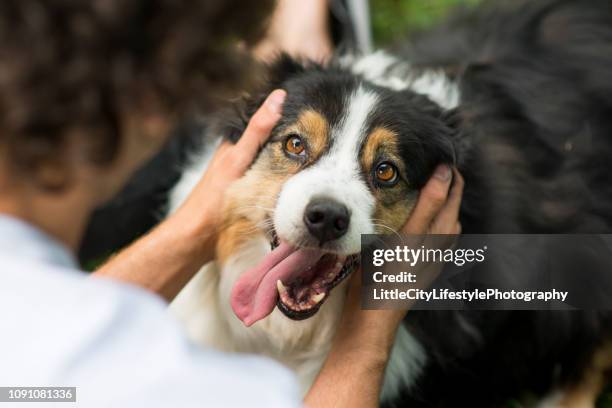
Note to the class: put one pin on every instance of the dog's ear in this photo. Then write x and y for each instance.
(235, 120)
(432, 140)
(455, 121)
(283, 68)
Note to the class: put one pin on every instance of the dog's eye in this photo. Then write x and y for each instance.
(295, 145)
(386, 174)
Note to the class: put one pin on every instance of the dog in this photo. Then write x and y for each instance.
(518, 96)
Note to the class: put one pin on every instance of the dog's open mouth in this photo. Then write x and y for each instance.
(302, 296)
(296, 280)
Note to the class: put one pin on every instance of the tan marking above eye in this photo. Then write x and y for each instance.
(294, 145)
(313, 128)
(380, 140)
(393, 205)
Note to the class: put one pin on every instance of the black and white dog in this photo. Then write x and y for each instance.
(519, 97)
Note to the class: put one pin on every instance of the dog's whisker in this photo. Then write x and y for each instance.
(265, 224)
(394, 232)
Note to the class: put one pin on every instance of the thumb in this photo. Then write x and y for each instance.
(261, 124)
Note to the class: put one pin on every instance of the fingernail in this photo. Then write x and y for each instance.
(443, 172)
(275, 101)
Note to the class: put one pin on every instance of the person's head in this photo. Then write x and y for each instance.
(88, 89)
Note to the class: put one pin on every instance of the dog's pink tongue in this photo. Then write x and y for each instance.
(254, 294)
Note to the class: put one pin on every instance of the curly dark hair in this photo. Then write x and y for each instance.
(68, 67)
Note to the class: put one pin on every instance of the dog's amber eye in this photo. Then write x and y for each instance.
(294, 145)
(386, 174)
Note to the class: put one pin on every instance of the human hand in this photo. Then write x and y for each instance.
(353, 372)
(165, 259)
(436, 212)
(203, 207)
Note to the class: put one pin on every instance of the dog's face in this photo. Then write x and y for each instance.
(347, 158)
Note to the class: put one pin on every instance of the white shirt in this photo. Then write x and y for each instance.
(115, 343)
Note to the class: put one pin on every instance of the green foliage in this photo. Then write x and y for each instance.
(392, 19)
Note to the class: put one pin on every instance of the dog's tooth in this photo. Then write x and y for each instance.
(281, 288)
(317, 298)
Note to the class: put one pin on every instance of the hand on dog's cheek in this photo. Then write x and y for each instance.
(165, 259)
(436, 212)
(203, 208)
(365, 337)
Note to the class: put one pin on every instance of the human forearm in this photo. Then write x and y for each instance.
(353, 373)
(164, 260)
(354, 381)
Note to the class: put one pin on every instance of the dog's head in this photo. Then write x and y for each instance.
(347, 158)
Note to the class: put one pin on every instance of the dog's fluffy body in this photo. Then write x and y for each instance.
(303, 345)
(521, 101)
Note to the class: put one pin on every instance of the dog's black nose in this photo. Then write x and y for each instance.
(326, 219)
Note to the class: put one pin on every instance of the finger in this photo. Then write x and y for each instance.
(446, 220)
(260, 125)
(224, 146)
(222, 151)
(431, 199)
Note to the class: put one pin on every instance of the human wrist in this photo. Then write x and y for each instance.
(371, 347)
(194, 232)
(350, 376)
(367, 334)
(365, 357)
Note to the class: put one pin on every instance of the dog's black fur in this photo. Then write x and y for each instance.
(533, 138)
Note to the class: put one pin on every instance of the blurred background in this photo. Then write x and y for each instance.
(392, 19)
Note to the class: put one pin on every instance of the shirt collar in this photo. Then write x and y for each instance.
(21, 239)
